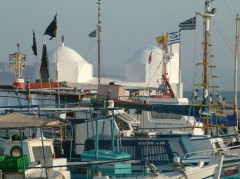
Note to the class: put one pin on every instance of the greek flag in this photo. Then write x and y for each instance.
(189, 24)
(173, 37)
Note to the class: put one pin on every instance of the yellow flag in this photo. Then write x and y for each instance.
(162, 39)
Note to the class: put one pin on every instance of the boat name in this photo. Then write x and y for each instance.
(168, 124)
(149, 143)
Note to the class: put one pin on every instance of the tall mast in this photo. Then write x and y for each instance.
(207, 16)
(164, 74)
(99, 41)
(165, 80)
(235, 112)
(57, 78)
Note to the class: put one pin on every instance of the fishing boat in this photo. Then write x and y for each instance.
(210, 117)
(207, 94)
(156, 148)
(126, 153)
(208, 171)
(24, 155)
(211, 101)
(202, 147)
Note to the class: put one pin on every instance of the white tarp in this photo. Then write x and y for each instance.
(18, 120)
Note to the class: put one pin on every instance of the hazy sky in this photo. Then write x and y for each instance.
(127, 26)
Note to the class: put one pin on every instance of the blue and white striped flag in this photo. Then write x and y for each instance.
(174, 37)
(189, 24)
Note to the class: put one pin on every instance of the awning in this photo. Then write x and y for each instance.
(18, 120)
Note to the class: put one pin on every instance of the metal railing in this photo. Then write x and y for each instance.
(223, 150)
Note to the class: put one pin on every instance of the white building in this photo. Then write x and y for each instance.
(71, 66)
(138, 72)
(138, 69)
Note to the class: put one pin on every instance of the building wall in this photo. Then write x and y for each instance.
(135, 72)
(138, 68)
(173, 66)
(71, 72)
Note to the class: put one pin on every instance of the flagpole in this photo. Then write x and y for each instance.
(40, 77)
(235, 107)
(180, 64)
(34, 48)
(149, 62)
(99, 41)
(50, 88)
(57, 63)
(53, 32)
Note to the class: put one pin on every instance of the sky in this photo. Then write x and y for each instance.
(127, 26)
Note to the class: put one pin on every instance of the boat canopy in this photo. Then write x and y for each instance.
(186, 110)
(19, 120)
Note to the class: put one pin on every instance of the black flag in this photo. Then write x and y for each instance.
(93, 34)
(52, 28)
(34, 46)
(44, 70)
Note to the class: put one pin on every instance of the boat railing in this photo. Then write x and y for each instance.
(222, 150)
(172, 130)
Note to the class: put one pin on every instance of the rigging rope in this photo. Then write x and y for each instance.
(223, 35)
(114, 35)
(229, 9)
(75, 75)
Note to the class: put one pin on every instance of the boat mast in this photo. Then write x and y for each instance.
(165, 80)
(235, 111)
(207, 16)
(99, 41)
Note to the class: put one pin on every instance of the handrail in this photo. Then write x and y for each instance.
(216, 150)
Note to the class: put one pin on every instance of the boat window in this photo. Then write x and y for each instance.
(138, 111)
(5, 134)
(177, 147)
(154, 150)
(217, 145)
(122, 125)
(127, 118)
(38, 153)
(156, 115)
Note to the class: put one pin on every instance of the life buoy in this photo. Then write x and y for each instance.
(215, 97)
(156, 96)
(16, 151)
(200, 94)
(166, 95)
